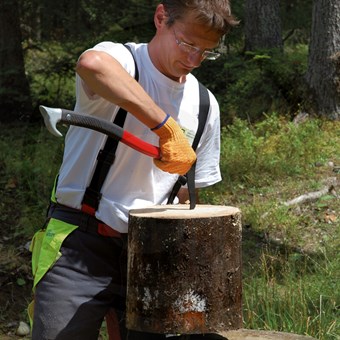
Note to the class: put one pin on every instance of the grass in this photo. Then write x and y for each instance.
(290, 253)
(294, 293)
(29, 161)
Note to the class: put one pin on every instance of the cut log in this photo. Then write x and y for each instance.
(184, 269)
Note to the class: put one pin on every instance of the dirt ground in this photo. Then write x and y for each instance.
(15, 290)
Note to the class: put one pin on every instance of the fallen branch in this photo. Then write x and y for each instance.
(313, 196)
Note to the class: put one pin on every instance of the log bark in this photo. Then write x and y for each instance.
(184, 269)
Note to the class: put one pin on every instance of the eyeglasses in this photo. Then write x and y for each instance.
(190, 49)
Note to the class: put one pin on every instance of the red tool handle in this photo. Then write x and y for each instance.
(139, 145)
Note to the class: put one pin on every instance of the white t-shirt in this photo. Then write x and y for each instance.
(134, 181)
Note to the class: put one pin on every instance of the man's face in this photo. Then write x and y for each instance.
(182, 47)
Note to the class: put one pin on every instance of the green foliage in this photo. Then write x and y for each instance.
(297, 20)
(273, 147)
(85, 21)
(29, 161)
(50, 69)
(247, 86)
(264, 82)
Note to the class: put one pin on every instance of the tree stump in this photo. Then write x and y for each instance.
(184, 269)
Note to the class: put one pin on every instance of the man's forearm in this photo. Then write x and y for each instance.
(103, 75)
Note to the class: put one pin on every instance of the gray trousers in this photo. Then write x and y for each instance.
(74, 296)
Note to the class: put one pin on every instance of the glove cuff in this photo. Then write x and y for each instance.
(162, 123)
(169, 130)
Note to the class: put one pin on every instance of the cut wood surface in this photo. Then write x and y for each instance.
(179, 211)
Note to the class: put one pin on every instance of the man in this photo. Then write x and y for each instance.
(80, 272)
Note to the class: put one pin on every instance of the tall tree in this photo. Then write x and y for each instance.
(262, 24)
(14, 88)
(323, 74)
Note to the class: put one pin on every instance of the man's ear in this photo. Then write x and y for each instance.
(160, 16)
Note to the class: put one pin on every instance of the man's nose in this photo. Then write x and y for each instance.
(195, 59)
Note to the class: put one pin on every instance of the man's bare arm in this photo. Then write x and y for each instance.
(105, 76)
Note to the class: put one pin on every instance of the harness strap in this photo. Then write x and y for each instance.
(105, 159)
(81, 219)
(189, 178)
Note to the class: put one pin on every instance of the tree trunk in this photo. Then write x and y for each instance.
(262, 25)
(323, 74)
(185, 269)
(15, 96)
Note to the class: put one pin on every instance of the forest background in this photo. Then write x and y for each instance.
(278, 86)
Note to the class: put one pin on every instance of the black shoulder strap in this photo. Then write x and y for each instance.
(202, 115)
(189, 178)
(105, 159)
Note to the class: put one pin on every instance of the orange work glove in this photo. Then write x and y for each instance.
(177, 155)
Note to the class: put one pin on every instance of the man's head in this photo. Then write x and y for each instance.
(188, 32)
(215, 14)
